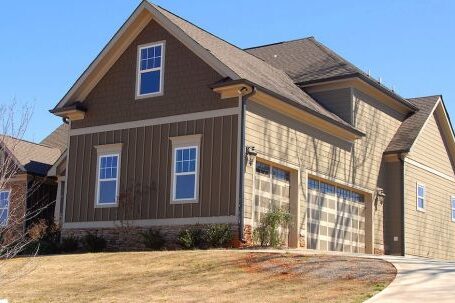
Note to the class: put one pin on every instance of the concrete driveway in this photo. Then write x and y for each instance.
(419, 280)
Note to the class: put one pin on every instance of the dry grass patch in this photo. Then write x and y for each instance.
(197, 276)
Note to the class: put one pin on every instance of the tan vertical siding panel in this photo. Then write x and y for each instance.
(163, 172)
(187, 209)
(172, 210)
(200, 129)
(146, 170)
(233, 179)
(70, 201)
(207, 152)
(216, 160)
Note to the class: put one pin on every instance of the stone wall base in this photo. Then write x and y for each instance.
(127, 238)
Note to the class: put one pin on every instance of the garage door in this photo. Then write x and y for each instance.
(271, 192)
(336, 218)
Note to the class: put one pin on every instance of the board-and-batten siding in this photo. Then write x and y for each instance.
(146, 172)
(284, 139)
(430, 233)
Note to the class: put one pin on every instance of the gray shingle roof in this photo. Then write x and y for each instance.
(249, 67)
(308, 61)
(304, 60)
(58, 138)
(408, 131)
(35, 158)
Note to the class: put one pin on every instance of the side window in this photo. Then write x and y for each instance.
(107, 175)
(4, 207)
(150, 70)
(452, 204)
(420, 201)
(185, 169)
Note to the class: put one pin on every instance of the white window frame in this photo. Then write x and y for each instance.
(103, 151)
(180, 143)
(452, 208)
(139, 72)
(421, 209)
(7, 207)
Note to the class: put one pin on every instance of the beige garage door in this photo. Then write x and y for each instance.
(271, 192)
(336, 218)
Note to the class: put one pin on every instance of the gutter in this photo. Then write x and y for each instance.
(243, 100)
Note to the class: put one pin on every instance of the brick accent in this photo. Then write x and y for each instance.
(129, 238)
(16, 211)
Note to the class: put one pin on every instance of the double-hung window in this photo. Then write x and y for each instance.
(420, 201)
(150, 70)
(185, 169)
(452, 207)
(4, 207)
(108, 175)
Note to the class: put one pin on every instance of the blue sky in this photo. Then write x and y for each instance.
(46, 45)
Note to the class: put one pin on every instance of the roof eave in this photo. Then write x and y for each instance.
(357, 133)
(366, 79)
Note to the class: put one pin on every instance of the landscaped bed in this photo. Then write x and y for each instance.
(193, 276)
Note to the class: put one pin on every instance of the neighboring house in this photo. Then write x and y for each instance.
(171, 126)
(26, 193)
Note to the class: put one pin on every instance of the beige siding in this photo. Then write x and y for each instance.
(281, 138)
(430, 233)
(430, 148)
(338, 101)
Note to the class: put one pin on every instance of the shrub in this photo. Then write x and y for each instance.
(267, 233)
(153, 239)
(191, 238)
(69, 244)
(218, 235)
(93, 242)
(43, 237)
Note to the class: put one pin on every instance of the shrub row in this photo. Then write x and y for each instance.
(216, 235)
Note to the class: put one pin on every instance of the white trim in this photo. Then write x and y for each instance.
(185, 142)
(424, 197)
(100, 155)
(7, 206)
(155, 121)
(429, 169)
(153, 222)
(139, 72)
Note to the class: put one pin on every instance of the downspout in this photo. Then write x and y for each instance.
(243, 100)
(402, 162)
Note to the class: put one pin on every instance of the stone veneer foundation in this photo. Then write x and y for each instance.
(127, 238)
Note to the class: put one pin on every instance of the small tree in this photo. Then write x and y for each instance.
(13, 238)
(267, 233)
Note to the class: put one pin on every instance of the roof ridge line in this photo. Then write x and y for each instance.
(421, 97)
(281, 42)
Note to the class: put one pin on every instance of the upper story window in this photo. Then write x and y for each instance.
(150, 70)
(4, 207)
(185, 169)
(108, 175)
(420, 193)
(452, 204)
